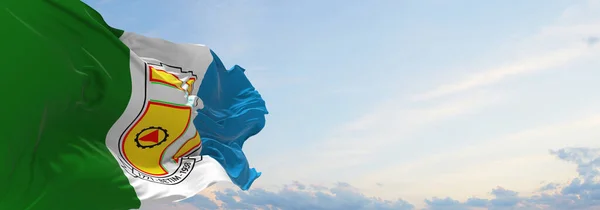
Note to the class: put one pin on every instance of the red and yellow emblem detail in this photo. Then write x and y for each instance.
(158, 127)
(163, 77)
(189, 146)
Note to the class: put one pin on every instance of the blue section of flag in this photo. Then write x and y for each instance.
(233, 112)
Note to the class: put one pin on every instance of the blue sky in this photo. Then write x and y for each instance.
(461, 104)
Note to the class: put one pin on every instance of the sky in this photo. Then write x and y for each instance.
(398, 104)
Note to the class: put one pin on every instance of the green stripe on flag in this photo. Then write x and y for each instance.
(65, 81)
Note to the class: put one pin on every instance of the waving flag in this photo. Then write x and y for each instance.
(98, 118)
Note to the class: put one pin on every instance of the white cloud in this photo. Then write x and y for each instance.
(531, 64)
(579, 193)
(554, 46)
(372, 138)
(389, 129)
(517, 160)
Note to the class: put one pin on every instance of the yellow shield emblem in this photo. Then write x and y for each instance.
(164, 128)
(159, 126)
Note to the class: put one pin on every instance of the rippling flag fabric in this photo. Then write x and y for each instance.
(100, 118)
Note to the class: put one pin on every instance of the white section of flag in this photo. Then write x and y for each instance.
(189, 57)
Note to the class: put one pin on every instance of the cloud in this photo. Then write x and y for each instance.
(534, 63)
(549, 186)
(400, 125)
(551, 47)
(517, 161)
(298, 196)
(592, 40)
(580, 193)
(202, 201)
(387, 128)
(341, 196)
